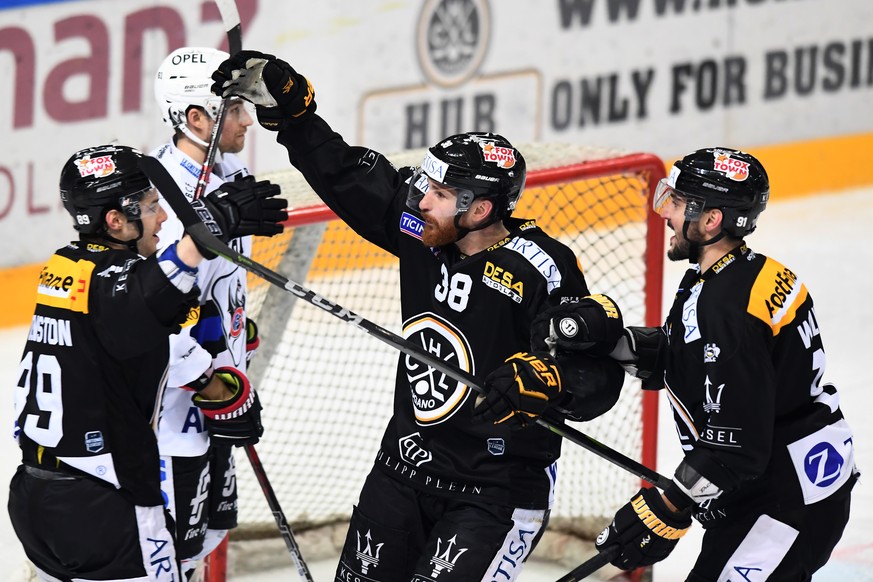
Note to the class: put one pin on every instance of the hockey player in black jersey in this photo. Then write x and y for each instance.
(462, 485)
(86, 501)
(769, 458)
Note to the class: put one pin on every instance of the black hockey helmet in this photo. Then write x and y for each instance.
(98, 179)
(733, 181)
(476, 165)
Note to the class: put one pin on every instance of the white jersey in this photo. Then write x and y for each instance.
(218, 336)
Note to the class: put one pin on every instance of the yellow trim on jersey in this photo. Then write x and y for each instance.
(192, 318)
(776, 296)
(65, 284)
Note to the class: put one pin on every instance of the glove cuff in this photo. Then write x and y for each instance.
(235, 406)
(678, 498)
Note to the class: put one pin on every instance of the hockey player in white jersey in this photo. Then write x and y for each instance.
(199, 476)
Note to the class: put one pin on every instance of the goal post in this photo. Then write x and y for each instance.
(327, 388)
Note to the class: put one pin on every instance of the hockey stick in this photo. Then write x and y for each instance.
(591, 565)
(230, 19)
(199, 232)
(278, 514)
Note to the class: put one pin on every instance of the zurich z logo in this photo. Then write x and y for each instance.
(823, 464)
(411, 225)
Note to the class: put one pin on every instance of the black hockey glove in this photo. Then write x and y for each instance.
(521, 389)
(252, 341)
(281, 95)
(241, 208)
(645, 531)
(237, 420)
(593, 325)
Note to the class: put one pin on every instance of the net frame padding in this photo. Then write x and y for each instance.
(327, 387)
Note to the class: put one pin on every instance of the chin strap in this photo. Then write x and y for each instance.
(131, 244)
(462, 232)
(694, 247)
(205, 145)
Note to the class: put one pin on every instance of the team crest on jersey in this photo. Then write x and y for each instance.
(710, 353)
(435, 396)
(734, 169)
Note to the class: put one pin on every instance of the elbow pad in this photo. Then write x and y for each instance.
(592, 385)
(640, 352)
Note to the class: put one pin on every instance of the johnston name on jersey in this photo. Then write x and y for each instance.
(472, 312)
(94, 366)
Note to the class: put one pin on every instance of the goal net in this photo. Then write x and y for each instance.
(327, 387)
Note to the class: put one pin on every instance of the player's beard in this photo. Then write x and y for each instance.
(436, 234)
(232, 144)
(681, 249)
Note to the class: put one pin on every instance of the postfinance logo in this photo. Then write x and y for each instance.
(435, 396)
(776, 295)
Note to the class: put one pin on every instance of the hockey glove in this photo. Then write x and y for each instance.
(640, 351)
(645, 531)
(521, 389)
(593, 325)
(241, 208)
(237, 420)
(281, 95)
(252, 341)
(593, 385)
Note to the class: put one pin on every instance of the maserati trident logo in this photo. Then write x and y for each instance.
(367, 555)
(444, 560)
(713, 398)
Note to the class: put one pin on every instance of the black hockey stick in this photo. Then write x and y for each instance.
(278, 514)
(199, 232)
(230, 19)
(591, 565)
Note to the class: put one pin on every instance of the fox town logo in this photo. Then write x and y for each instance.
(435, 396)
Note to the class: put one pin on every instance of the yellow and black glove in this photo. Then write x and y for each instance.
(644, 531)
(521, 389)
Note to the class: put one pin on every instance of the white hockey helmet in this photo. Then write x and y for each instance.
(183, 80)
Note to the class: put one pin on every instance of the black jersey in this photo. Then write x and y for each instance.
(94, 364)
(743, 375)
(472, 312)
